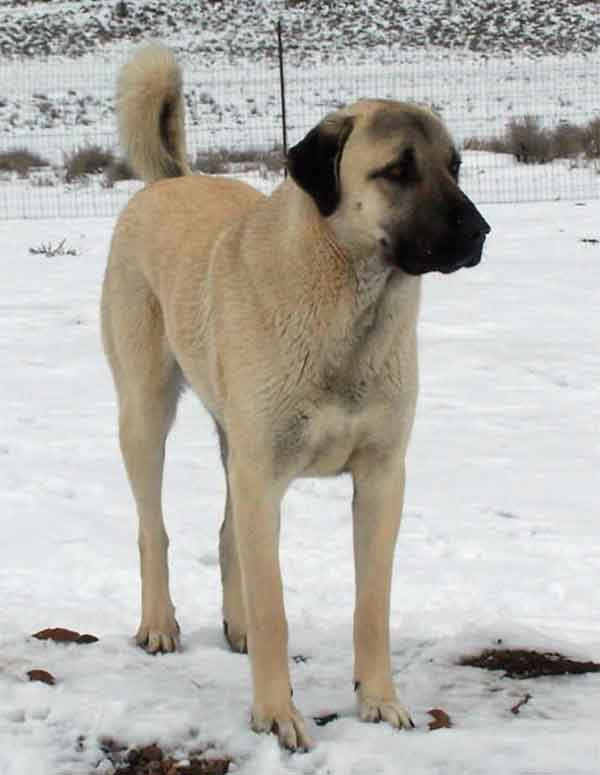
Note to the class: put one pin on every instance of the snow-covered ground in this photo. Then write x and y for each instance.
(486, 177)
(55, 107)
(500, 539)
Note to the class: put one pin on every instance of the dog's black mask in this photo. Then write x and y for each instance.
(445, 232)
(445, 236)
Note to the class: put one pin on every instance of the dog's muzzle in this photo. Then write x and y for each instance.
(471, 235)
(444, 239)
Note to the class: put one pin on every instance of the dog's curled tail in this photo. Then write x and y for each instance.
(150, 112)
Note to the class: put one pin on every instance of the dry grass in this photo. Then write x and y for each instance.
(21, 161)
(592, 139)
(211, 162)
(51, 251)
(530, 143)
(88, 160)
(223, 161)
(117, 170)
(94, 160)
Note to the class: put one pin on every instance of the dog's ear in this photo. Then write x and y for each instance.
(314, 163)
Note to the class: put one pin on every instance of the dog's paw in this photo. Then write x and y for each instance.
(375, 709)
(158, 636)
(287, 724)
(236, 638)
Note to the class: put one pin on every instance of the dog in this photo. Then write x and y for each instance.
(293, 317)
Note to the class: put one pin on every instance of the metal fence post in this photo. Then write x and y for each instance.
(282, 92)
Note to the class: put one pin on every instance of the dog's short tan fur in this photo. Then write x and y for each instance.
(293, 318)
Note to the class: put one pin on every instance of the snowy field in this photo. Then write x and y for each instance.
(53, 108)
(500, 539)
(485, 177)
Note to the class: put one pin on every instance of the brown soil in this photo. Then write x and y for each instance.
(522, 663)
(152, 760)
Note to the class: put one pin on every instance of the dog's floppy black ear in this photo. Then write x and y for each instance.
(314, 162)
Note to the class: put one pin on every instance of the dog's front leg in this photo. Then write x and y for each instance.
(256, 518)
(377, 508)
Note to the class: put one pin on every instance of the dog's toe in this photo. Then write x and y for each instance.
(394, 713)
(287, 724)
(158, 640)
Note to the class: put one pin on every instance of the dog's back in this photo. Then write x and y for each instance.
(164, 238)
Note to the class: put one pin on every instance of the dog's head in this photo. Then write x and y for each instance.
(385, 176)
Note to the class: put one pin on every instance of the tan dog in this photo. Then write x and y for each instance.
(293, 317)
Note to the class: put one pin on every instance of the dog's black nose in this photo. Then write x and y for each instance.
(470, 232)
(483, 229)
(472, 226)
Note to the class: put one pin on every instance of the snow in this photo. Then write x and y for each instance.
(485, 177)
(499, 537)
(238, 108)
(56, 106)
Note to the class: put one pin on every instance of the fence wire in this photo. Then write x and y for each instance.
(233, 116)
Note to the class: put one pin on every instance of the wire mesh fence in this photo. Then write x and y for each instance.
(234, 121)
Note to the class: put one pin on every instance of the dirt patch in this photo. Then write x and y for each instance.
(522, 663)
(152, 760)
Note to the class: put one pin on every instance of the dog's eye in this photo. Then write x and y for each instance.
(398, 171)
(403, 170)
(454, 168)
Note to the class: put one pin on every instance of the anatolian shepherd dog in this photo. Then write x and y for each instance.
(293, 317)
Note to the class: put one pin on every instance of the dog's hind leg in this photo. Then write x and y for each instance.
(148, 381)
(144, 423)
(234, 616)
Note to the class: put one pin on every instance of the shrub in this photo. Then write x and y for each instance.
(121, 10)
(211, 162)
(254, 159)
(591, 139)
(567, 140)
(529, 143)
(89, 160)
(21, 161)
(117, 170)
(224, 161)
(51, 251)
(491, 144)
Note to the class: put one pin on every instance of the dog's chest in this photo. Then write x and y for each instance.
(331, 438)
(356, 398)
(321, 437)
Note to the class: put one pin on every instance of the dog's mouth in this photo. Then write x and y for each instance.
(422, 257)
(418, 264)
(469, 259)
(444, 239)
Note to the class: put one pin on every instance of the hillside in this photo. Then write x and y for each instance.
(226, 30)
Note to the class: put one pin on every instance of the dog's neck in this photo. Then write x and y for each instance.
(351, 304)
